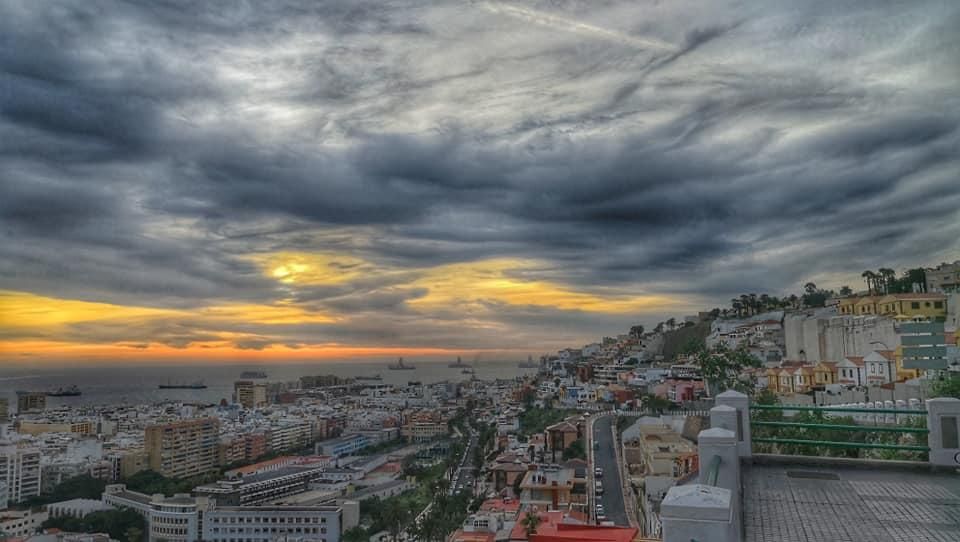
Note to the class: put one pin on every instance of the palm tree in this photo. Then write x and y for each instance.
(870, 279)
(888, 276)
(737, 306)
(531, 523)
(395, 518)
(671, 323)
(810, 287)
(745, 301)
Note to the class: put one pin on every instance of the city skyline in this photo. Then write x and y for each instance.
(383, 179)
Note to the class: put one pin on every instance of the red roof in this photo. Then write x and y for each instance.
(856, 360)
(556, 528)
(461, 536)
(499, 505)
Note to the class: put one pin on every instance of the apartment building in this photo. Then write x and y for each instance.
(31, 401)
(943, 278)
(20, 471)
(4, 410)
(250, 394)
(184, 448)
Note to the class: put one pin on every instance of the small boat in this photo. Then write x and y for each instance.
(374, 377)
(467, 371)
(399, 366)
(529, 364)
(247, 375)
(459, 364)
(71, 391)
(198, 385)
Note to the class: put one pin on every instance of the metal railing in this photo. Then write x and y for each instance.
(852, 428)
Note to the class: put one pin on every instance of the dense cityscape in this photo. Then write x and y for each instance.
(479, 271)
(604, 441)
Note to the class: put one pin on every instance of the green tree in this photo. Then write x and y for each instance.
(575, 451)
(355, 534)
(133, 534)
(845, 291)
(947, 387)
(692, 346)
(395, 517)
(531, 523)
(722, 367)
(636, 331)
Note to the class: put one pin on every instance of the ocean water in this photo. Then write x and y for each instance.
(137, 384)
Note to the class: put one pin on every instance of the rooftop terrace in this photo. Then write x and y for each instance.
(795, 500)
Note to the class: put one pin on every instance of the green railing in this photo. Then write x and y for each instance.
(713, 471)
(825, 425)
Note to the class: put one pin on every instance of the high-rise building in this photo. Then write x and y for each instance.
(20, 471)
(185, 448)
(250, 394)
(4, 410)
(31, 401)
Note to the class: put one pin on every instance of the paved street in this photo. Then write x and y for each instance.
(464, 478)
(605, 457)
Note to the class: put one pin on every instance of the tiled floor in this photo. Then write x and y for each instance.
(814, 504)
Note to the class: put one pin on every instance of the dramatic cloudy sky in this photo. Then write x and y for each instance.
(301, 179)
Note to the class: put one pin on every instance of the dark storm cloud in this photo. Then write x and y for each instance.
(149, 149)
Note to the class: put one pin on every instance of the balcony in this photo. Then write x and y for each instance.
(777, 495)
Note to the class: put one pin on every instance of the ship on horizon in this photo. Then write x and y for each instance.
(529, 364)
(399, 366)
(459, 364)
(198, 385)
(249, 375)
(374, 377)
(70, 391)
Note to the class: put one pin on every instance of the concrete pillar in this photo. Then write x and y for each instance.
(943, 421)
(741, 403)
(724, 417)
(698, 512)
(717, 441)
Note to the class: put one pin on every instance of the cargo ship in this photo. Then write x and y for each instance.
(529, 364)
(459, 364)
(71, 391)
(199, 385)
(249, 375)
(399, 366)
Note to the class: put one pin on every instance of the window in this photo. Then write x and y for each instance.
(914, 304)
(926, 304)
(938, 304)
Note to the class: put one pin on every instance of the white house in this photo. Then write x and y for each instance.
(880, 366)
(850, 371)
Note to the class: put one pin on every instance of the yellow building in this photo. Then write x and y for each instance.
(184, 448)
(866, 305)
(38, 428)
(902, 372)
(918, 305)
(847, 305)
(825, 373)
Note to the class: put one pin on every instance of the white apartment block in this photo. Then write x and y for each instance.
(20, 524)
(20, 471)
